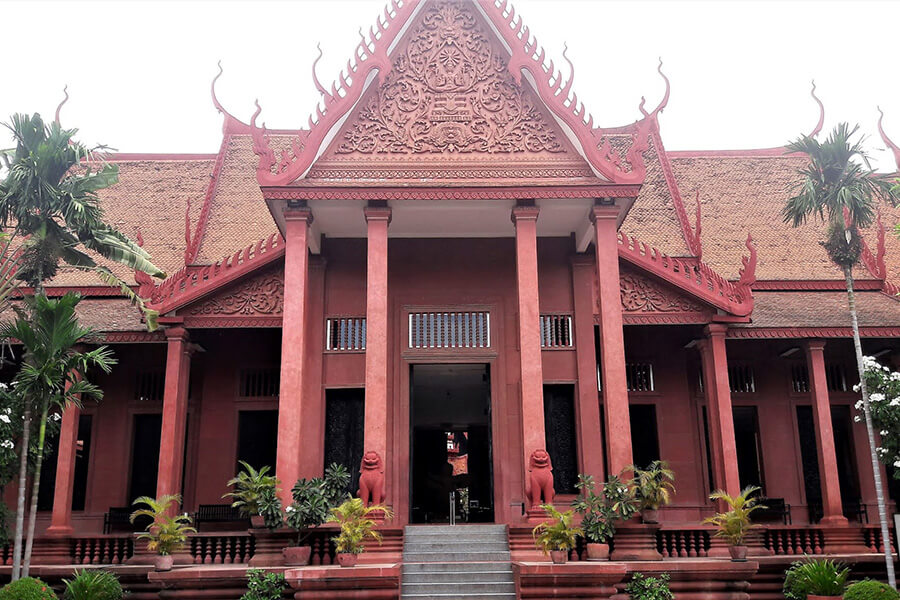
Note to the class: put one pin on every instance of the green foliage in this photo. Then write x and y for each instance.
(817, 576)
(93, 585)
(313, 499)
(166, 534)
(270, 508)
(734, 523)
(653, 486)
(262, 585)
(649, 588)
(868, 589)
(357, 524)
(600, 512)
(27, 588)
(249, 485)
(559, 533)
(884, 405)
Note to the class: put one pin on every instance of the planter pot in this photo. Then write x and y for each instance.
(817, 597)
(559, 557)
(345, 559)
(650, 515)
(597, 551)
(164, 563)
(257, 521)
(738, 553)
(296, 556)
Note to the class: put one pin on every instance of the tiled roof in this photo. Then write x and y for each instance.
(822, 309)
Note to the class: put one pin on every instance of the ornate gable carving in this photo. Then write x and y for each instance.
(261, 295)
(646, 300)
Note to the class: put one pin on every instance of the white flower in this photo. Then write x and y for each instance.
(856, 419)
(7, 444)
(56, 417)
(289, 509)
(883, 432)
(895, 402)
(5, 418)
(859, 405)
(3, 386)
(897, 464)
(876, 397)
(856, 388)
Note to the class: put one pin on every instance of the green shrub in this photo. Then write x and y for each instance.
(649, 588)
(264, 586)
(868, 589)
(93, 585)
(821, 577)
(27, 588)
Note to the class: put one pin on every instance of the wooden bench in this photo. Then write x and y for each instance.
(219, 513)
(775, 509)
(853, 511)
(118, 519)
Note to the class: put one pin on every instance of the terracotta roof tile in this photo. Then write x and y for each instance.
(822, 309)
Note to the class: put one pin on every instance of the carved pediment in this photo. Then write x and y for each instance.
(645, 299)
(259, 295)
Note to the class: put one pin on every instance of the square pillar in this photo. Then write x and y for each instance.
(372, 479)
(612, 339)
(174, 417)
(719, 411)
(832, 508)
(293, 348)
(587, 405)
(61, 517)
(532, 377)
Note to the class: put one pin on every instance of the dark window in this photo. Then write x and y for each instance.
(749, 453)
(82, 460)
(259, 383)
(741, 379)
(809, 458)
(149, 386)
(707, 443)
(344, 422)
(47, 487)
(848, 476)
(644, 436)
(257, 439)
(559, 431)
(145, 455)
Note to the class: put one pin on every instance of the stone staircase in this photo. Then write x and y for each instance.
(444, 562)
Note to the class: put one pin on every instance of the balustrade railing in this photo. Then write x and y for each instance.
(101, 550)
(683, 543)
(222, 549)
(323, 548)
(872, 538)
(789, 541)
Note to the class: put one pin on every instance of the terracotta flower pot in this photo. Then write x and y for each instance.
(346, 559)
(818, 597)
(559, 557)
(597, 551)
(296, 556)
(164, 562)
(650, 515)
(257, 521)
(738, 553)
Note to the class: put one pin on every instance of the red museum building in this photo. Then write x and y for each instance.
(453, 267)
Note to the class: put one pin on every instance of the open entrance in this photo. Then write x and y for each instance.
(450, 422)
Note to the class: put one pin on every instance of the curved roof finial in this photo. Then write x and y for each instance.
(316, 81)
(821, 122)
(665, 99)
(66, 99)
(230, 120)
(890, 144)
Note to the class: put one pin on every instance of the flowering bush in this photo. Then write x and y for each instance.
(884, 403)
(27, 588)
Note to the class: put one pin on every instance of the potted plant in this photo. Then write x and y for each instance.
(600, 512)
(557, 536)
(313, 500)
(815, 579)
(95, 584)
(649, 588)
(356, 526)
(653, 487)
(248, 488)
(734, 524)
(165, 534)
(869, 589)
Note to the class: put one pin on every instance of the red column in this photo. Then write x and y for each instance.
(719, 411)
(612, 340)
(293, 348)
(833, 513)
(532, 383)
(61, 518)
(174, 418)
(590, 434)
(375, 434)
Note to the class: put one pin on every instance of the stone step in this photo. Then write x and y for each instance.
(444, 557)
(455, 596)
(411, 547)
(454, 529)
(456, 575)
(490, 536)
(474, 588)
(459, 567)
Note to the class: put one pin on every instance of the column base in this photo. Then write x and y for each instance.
(718, 548)
(52, 551)
(635, 542)
(835, 521)
(58, 531)
(845, 540)
(269, 546)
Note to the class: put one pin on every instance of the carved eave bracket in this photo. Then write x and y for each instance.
(647, 300)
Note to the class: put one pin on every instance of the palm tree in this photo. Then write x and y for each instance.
(53, 372)
(48, 199)
(839, 188)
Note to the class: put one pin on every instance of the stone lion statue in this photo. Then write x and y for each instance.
(371, 478)
(540, 477)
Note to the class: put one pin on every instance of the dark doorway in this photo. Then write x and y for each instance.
(257, 437)
(450, 422)
(145, 455)
(559, 435)
(644, 434)
(344, 428)
(749, 447)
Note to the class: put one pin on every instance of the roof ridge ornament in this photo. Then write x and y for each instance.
(890, 144)
(818, 127)
(66, 99)
(665, 100)
(237, 125)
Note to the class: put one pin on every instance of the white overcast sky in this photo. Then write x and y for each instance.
(139, 72)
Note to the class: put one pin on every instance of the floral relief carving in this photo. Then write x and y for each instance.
(263, 295)
(640, 294)
(449, 90)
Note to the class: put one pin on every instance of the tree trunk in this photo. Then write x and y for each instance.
(35, 490)
(870, 431)
(20, 503)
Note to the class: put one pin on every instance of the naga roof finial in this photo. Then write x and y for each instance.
(890, 144)
(665, 99)
(229, 118)
(821, 122)
(66, 99)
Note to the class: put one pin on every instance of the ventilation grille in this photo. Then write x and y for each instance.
(450, 330)
(345, 334)
(260, 383)
(800, 379)
(836, 377)
(149, 386)
(639, 377)
(740, 379)
(556, 331)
